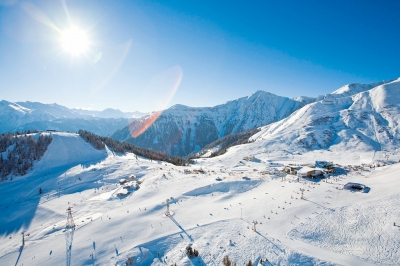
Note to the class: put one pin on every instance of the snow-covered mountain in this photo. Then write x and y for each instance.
(354, 88)
(99, 126)
(22, 116)
(14, 114)
(229, 205)
(109, 113)
(356, 117)
(181, 129)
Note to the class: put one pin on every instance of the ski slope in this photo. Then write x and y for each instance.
(213, 211)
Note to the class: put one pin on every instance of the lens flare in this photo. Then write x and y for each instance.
(138, 128)
(124, 51)
(166, 83)
(38, 15)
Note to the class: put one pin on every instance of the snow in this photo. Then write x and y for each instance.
(24, 116)
(366, 122)
(233, 187)
(63, 152)
(19, 108)
(330, 226)
(363, 230)
(305, 170)
(181, 130)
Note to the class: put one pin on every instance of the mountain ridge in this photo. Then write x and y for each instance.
(180, 129)
(23, 116)
(368, 120)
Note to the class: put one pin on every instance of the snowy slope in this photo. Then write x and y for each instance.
(215, 217)
(63, 152)
(181, 130)
(366, 121)
(66, 151)
(354, 88)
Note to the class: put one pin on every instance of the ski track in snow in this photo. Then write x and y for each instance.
(363, 230)
(223, 237)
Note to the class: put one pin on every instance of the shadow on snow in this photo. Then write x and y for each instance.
(21, 198)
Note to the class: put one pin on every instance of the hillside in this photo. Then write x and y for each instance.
(102, 143)
(221, 145)
(213, 205)
(18, 153)
(181, 130)
(365, 121)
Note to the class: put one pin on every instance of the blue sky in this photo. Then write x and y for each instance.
(149, 55)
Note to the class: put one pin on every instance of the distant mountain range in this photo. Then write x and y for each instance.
(22, 116)
(181, 130)
(362, 116)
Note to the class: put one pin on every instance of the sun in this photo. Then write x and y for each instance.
(74, 41)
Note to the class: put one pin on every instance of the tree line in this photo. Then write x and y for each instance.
(99, 143)
(225, 143)
(19, 151)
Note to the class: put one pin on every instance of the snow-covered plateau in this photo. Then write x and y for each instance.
(226, 205)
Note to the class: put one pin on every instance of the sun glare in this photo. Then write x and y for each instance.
(74, 41)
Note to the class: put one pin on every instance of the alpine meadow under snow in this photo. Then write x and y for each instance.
(249, 203)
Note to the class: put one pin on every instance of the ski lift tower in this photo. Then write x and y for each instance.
(23, 238)
(69, 234)
(70, 221)
(167, 212)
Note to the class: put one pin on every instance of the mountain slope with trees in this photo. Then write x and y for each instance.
(100, 143)
(19, 152)
(220, 146)
(181, 130)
